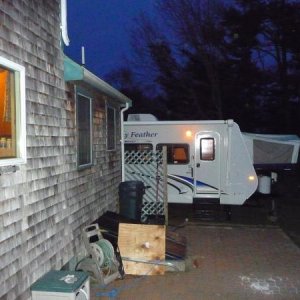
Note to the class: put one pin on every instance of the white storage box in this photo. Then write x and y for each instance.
(62, 285)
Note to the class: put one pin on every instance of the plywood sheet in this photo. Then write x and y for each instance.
(142, 242)
(176, 244)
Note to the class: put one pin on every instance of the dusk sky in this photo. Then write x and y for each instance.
(103, 28)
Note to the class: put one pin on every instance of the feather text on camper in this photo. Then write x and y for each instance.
(145, 134)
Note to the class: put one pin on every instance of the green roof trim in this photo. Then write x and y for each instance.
(75, 72)
(72, 70)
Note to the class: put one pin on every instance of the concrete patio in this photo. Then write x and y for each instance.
(226, 260)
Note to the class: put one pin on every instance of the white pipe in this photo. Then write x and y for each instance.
(122, 141)
(83, 55)
(63, 21)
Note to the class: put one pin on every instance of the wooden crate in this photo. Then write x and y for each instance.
(142, 242)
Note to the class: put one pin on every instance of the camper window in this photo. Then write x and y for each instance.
(138, 153)
(207, 149)
(176, 153)
(138, 147)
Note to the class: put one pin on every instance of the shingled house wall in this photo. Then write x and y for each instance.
(45, 202)
(93, 190)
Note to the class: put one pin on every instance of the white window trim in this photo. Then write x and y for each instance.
(20, 114)
(79, 167)
(115, 128)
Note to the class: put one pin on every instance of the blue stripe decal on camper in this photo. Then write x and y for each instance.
(190, 181)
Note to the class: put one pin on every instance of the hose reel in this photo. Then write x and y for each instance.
(101, 262)
(103, 251)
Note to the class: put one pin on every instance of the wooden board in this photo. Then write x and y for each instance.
(146, 242)
(176, 244)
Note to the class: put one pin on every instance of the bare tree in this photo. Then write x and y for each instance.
(196, 25)
(186, 29)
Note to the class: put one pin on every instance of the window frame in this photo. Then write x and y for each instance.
(20, 114)
(175, 145)
(90, 163)
(109, 107)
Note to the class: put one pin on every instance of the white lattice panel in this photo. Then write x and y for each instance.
(147, 166)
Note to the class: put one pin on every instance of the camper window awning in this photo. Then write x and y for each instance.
(76, 72)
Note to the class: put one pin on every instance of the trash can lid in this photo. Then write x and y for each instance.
(60, 281)
(132, 183)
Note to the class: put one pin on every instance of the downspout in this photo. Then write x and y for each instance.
(122, 141)
(63, 22)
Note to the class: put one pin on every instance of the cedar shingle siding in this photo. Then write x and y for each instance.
(47, 201)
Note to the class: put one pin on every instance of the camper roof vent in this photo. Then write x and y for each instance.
(141, 117)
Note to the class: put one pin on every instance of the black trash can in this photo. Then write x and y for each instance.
(131, 199)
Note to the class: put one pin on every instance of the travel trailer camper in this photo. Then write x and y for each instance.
(206, 160)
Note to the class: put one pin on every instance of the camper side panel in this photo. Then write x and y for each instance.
(241, 181)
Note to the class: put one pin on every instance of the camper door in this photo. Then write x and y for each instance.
(207, 179)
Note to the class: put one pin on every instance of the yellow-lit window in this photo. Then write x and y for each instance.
(177, 154)
(7, 114)
(12, 113)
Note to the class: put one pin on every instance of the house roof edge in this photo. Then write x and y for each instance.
(75, 72)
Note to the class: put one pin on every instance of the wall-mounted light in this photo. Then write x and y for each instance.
(188, 134)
